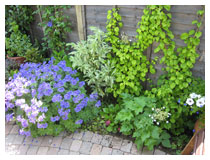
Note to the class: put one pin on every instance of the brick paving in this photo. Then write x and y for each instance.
(78, 143)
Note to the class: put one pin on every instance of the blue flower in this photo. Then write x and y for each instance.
(93, 97)
(178, 100)
(49, 24)
(185, 104)
(79, 121)
(82, 83)
(61, 89)
(98, 104)
(56, 98)
(77, 109)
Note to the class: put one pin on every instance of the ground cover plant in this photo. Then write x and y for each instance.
(45, 99)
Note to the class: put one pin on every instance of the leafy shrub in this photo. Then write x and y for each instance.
(134, 116)
(47, 98)
(11, 67)
(90, 58)
(19, 44)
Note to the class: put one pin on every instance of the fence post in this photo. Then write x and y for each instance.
(80, 22)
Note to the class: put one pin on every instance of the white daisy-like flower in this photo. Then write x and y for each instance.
(154, 120)
(200, 102)
(166, 121)
(193, 95)
(190, 101)
(198, 96)
(157, 123)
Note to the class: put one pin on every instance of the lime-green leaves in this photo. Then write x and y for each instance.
(184, 36)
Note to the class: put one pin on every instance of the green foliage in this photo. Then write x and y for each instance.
(134, 119)
(11, 67)
(108, 114)
(90, 58)
(178, 82)
(131, 64)
(19, 44)
(55, 25)
(21, 14)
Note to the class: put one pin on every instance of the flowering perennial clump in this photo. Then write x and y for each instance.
(47, 98)
(159, 115)
(196, 103)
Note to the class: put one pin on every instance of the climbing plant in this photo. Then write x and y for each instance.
(55, 25)
(178, 81)
(131, 64)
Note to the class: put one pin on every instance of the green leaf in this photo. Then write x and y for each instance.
(167, 7)
(155, 133)
(198, 34)
(166, 143)
(191, 32)
(172, 85)
(184, 36)
(194, 22)
(124, 115)
(156, 50)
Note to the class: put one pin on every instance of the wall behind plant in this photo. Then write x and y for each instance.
(182, 17)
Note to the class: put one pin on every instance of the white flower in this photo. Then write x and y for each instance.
(149, 115)
(193, 95)
(152, 117)
(154, 120)
(198, 96)
(157, 123)
(164, 107)
(190, 101)
(200, 102)
(153, 109)
(166, 121)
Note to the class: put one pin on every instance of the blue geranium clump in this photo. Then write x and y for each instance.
(46, 99)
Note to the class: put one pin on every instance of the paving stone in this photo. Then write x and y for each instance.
(9, 139)
(125, 153)
(106, 141)
(12, 149)
(145, 151)
(116, 142)
(78, 135)
(63, 152)
(37, 141)
(14, 129)
(87, 136)
(66, 143)
(11, 123)
(8, 128)
(97, 138)
(117, 152)
(96, 149)
(42, 150)
(28, 140)
(159, 152)
(135, 151)
(62, 134)
(23, 149)
(32, 150)
(106, 151)
(47, 141)
(52, 151)
(85, 148)
(18, 139)
(75, 146)
(69, 135)
(56, 142)
(73, 153)
(126, 146)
